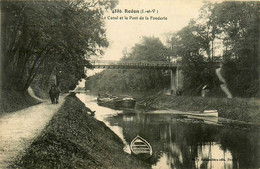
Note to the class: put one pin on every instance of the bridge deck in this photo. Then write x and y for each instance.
(133, 65)
(110, 64)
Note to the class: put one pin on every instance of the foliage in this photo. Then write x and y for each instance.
(226, 31)
(50, 37)
(12, 101)
(190, 44)
(242, 109)
(73, 139)
(238, 23)
(150, 49)
(234, 25)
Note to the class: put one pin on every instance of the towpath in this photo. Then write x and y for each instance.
(20, 128)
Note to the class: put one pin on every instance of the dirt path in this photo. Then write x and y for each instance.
(18, 129)
(224, 85)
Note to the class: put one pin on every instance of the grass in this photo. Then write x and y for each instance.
(243, 109)
(14, 100)
(73, 139)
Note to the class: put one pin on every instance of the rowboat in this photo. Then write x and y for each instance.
(213, 113)
(141, 148)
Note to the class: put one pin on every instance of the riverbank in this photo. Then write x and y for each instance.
(19, 128)
(73, 139)
(13, 100)
(242, 109)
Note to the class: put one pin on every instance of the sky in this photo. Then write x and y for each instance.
(125, 33)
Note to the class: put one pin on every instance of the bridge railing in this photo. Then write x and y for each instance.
(127, 62)
(130, 64)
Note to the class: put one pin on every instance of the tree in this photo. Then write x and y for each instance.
(237, 22)
(138, 80)
(150, 49)
(206, 27)
(43, 37)
(190, 44)
(235, 25)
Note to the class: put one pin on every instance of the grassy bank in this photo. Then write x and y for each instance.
(13, 100)
(243, 109)
(73, 139)
(42, 92)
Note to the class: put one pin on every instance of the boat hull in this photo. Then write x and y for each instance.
(142, 156)
(117, 103)
(141, 148)
(129, 104)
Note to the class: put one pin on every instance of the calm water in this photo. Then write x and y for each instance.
(178, 144)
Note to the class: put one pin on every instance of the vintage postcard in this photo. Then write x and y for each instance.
(122, 84)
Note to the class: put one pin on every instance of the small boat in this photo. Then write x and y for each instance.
(141, 148)
(106, 101)
(210, 113)
(116, 102)
(126, 102)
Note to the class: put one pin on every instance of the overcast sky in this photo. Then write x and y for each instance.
(125, 33)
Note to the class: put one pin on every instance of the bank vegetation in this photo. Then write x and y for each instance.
(224, 32)
(42, 39)
(74, 139)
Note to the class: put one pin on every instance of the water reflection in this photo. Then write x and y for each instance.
(210, 154)
(183, 145)
(102, 113)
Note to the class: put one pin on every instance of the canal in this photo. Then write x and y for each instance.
(179, 143)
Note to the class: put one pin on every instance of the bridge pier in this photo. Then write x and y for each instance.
(173, 82)
(176, 81)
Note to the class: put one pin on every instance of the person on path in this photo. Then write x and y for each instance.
(58, 91)
(54, 94)
(51, 93)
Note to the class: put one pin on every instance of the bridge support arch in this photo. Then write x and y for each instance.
(176, 81)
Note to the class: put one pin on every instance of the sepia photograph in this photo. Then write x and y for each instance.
(129, 84)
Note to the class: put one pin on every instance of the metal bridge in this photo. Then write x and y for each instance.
(111, 64)
(177, 77)
(174, 66)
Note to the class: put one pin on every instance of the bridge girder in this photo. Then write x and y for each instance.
(133, 67)
(136, 65)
